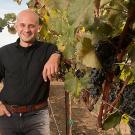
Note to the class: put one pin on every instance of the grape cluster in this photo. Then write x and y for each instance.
(93, 92)
(117, 70)
(115, 88)
(128, 105)
(112, 95)
(106, 54)
(79, 73)
(96, 79)
(64, 67)
(128, 100)
(132, 126)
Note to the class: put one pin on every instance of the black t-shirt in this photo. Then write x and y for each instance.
(21, 71)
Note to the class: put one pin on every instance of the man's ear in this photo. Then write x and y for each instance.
(39, 28)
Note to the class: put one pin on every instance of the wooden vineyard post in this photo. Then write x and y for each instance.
(68, 113)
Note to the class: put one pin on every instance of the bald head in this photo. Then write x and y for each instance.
(27, 26)
(28, 13)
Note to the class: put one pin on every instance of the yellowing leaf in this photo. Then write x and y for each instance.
(91, 60)
(43, 31)
(125, 73)
(125, 118)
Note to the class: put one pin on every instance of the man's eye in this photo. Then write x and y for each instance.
(22, 25)
(32, 26)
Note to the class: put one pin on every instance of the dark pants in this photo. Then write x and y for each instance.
(32, 123)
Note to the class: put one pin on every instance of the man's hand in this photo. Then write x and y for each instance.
(51, 66)
(3, 110)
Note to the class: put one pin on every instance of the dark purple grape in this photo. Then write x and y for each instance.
(117, 70)
(106, 54)
(96, 79)
(79, 73)
(128, 100)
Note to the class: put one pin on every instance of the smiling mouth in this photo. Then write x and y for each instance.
(27, 34)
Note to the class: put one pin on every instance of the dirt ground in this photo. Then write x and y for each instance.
(84, 122)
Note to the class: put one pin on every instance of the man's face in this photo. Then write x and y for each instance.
(27, 27)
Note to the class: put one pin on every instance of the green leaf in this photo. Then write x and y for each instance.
(83, 47)
(69, 51)
(79, 10)
(72, 84)
(85, 80)
(55, 25)
(57, 21)
(86, 45)
(43, 31)
(57, 4)
(102, 28)
(112, 120)
(91, 60)
(85, 53)
(68, 35)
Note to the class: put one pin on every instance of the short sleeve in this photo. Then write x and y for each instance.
(50, 49)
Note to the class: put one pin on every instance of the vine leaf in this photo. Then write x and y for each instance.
(69, 52)
(86, 53)
(74, 85)
(91, 60)
(112, 120)
(79, 12)
(43, 31)
(126, 72)
(55, 25)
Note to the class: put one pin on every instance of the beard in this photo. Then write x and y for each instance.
(28, 39)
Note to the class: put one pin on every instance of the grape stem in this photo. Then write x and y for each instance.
(107, 91)
(104, 107)
(127, 27)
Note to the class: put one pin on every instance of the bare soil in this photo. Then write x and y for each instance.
(83, 121)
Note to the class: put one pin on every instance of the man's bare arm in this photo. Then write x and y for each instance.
(51, 67)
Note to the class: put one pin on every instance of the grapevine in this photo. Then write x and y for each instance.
(96, 38)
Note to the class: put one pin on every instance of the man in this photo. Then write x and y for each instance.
(26, 67)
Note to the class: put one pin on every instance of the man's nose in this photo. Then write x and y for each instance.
(26, 29)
